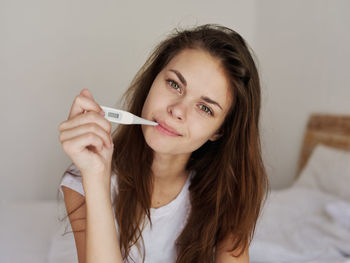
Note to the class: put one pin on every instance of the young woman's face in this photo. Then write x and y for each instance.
(189, 99)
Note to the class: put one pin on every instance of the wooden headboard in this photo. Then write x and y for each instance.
(328, 129)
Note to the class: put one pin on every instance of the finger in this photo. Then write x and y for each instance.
(78, 144)
(86, 93)
(82, 104)
(86, 128)
(89, 117)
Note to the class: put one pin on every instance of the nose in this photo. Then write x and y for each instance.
(177, 110)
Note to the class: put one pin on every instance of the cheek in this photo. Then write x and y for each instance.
(201, 131)
(147, 106)
(154, 100)
(145, 109)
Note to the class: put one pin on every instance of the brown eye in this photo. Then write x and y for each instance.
(206, 109)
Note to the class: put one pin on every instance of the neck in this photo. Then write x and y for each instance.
(169, 168)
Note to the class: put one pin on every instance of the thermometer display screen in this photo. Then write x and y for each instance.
(113, 115)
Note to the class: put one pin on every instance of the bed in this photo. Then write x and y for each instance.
(310, 221)
(307, 222)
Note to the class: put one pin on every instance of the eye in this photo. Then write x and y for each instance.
(206, 109)
(173, 84)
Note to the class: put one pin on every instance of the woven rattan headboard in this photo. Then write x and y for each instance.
(328, 129)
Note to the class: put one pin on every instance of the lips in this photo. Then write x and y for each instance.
(165, 128)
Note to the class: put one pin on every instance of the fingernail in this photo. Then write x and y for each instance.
(102, 113)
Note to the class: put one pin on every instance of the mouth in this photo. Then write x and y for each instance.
(166, 129)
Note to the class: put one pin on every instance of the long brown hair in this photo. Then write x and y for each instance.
(230, 183)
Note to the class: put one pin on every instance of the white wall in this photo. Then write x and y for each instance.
(304, 53)
(50, 50)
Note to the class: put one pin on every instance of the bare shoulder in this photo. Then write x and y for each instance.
(76, 210)
(222, 256)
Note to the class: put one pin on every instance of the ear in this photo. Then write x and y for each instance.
(216, 136)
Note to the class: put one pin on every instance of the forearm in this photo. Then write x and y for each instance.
(101, 237)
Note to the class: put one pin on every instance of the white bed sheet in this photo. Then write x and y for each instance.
(62, 248)
(296, 227)
(26, 230)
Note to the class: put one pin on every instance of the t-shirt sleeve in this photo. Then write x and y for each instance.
(72, 179)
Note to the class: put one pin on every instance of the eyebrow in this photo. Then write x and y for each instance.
(179, 75)
(183, 81)
(209, 100)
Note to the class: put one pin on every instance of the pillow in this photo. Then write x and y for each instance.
(328, 169)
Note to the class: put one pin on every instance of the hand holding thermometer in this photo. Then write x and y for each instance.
(124, 117)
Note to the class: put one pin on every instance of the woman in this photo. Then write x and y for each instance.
(188, 190)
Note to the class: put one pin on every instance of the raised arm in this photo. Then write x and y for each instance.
(86, 138)
(101, 236)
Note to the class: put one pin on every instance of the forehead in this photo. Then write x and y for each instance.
(203, 73)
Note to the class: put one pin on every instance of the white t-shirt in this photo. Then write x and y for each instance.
(168, 221)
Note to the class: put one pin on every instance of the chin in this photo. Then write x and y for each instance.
(165, 144)
(161, 145)
(158, 145)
